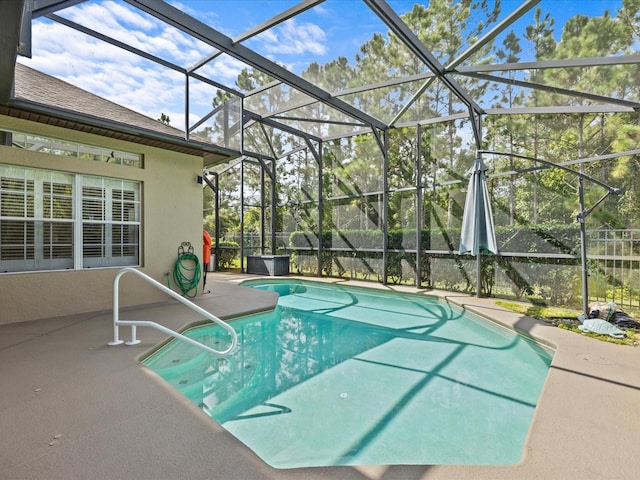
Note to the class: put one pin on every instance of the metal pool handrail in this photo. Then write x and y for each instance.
(144, 323)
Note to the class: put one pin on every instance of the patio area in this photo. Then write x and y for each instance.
(72, 407)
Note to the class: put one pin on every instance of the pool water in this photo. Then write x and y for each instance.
(340, 375)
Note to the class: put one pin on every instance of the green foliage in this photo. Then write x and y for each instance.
(229, 254)
(565, 319)
(540, 312)
(535, 209)
(164, 118)
(358, 254)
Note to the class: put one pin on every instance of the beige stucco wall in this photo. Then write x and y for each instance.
(171, 214)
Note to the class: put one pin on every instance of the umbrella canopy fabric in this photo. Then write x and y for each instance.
(478, 233)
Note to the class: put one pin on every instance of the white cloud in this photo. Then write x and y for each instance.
(116, 74)
(292, 38)
(224, 69)
(111, 15)
(206, 15)
(140, 31)
(140, 84)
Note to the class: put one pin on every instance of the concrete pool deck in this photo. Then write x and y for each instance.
(72, 407)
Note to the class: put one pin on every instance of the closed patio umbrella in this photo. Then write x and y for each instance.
(478, 231)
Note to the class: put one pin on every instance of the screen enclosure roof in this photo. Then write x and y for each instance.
(333, 68)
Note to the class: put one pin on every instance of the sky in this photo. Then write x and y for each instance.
(329, 30)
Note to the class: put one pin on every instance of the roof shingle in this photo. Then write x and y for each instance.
(60, 103)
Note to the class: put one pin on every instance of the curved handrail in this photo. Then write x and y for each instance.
(144, 323)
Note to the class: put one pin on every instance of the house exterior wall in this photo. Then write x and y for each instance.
(171, 213)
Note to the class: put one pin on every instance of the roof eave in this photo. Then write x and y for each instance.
(211, 154)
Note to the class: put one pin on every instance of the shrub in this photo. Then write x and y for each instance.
(229, 253)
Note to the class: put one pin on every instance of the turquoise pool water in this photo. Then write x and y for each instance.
(340, 375)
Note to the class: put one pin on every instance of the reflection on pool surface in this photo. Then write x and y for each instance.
(341, 375)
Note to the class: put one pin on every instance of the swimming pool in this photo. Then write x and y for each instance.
(339, 375)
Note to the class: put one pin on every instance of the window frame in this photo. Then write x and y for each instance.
(41, 222)
(66, 148)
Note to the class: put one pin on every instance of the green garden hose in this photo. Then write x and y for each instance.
(187, 272)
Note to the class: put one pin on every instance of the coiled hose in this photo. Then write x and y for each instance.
(187, 274)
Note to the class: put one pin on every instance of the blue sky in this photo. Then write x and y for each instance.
(331, 29)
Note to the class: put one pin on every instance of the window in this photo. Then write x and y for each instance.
(54, 146)
(53, 220)
(110, 222)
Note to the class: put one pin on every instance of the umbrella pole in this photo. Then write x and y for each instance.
(479, 275)
(479, 201)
